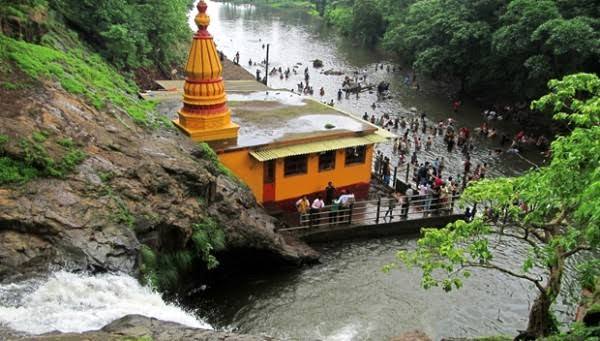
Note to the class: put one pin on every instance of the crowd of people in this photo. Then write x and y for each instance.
(430, 178)
(328, 209)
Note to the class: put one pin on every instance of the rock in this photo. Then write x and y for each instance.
(137, 326)
(135, 184)
(415, 335)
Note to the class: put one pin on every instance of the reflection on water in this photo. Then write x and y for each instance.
(347, 297)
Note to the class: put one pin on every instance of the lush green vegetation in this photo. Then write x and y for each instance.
(132, 34)
(554, 210)
(80, 73)
(505, 48)
(209, 154)
(33, 159)
(164, 270)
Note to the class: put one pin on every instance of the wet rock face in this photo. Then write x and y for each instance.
(136, 326)
(135, 185)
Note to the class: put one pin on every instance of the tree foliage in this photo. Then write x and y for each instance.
(132, 33)
(554, 210)
(511, 48)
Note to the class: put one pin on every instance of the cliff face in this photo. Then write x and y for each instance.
(132, 185)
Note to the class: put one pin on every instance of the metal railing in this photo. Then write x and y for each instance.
(375, 212)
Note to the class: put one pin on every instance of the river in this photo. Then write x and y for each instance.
(347, 296)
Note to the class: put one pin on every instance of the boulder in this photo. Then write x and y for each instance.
(137, 327)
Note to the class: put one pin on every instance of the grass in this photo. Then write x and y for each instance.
(9, 86)
(164, 270)
(209, 154)
(122, 215)
(35, 160)
(206, 237)
(105, 177)
(81, 73)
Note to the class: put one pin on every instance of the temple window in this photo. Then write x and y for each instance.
(356, 155)
(295, 165)
(327, 160)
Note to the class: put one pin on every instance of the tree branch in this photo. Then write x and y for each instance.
(537, 282)
(551, 225)
(524, 238)
(574, 251)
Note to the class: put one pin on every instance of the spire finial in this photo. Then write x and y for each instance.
(202, 20)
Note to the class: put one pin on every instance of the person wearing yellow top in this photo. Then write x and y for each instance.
(302, 205)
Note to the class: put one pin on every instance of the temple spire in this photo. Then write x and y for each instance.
(205, 115)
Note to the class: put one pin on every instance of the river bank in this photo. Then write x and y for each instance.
(306, 6)
(337, 17)
(95, 181)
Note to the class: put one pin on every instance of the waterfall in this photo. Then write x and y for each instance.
(70, 302)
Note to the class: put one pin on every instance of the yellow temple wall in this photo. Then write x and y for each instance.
(294, 186)
(247, 168)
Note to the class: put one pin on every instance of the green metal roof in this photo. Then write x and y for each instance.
(316, 147)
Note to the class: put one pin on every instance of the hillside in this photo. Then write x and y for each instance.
(92, 179)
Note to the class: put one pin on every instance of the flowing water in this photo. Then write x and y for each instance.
(347, 296)
(70, 302)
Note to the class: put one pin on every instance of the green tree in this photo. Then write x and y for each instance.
(441, 38)
(367, 21)
(562, 216)
(568, 43)
(132, 34)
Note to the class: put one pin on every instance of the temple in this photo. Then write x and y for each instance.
(205, 115)
(281, 144)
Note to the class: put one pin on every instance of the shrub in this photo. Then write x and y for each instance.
(36, 161)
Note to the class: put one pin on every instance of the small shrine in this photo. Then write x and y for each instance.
(205, 115)
(281, 144)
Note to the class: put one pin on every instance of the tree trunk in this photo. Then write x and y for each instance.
(541, 322)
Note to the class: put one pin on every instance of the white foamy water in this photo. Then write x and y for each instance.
(348, 332)
(70, 302)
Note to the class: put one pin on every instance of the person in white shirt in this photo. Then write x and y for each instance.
(315, 209)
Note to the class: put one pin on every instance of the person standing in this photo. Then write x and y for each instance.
(482, 171)
(378, 163)
(467, 166)
(386, 173)
(315, 210)
(392, 201)
(329, 193)
(302, 205)
(408, 196)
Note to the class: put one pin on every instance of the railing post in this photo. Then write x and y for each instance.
(350, 216)
(378, 209)
(394, 181)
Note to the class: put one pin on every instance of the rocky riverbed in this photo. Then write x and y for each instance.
(137, 327)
